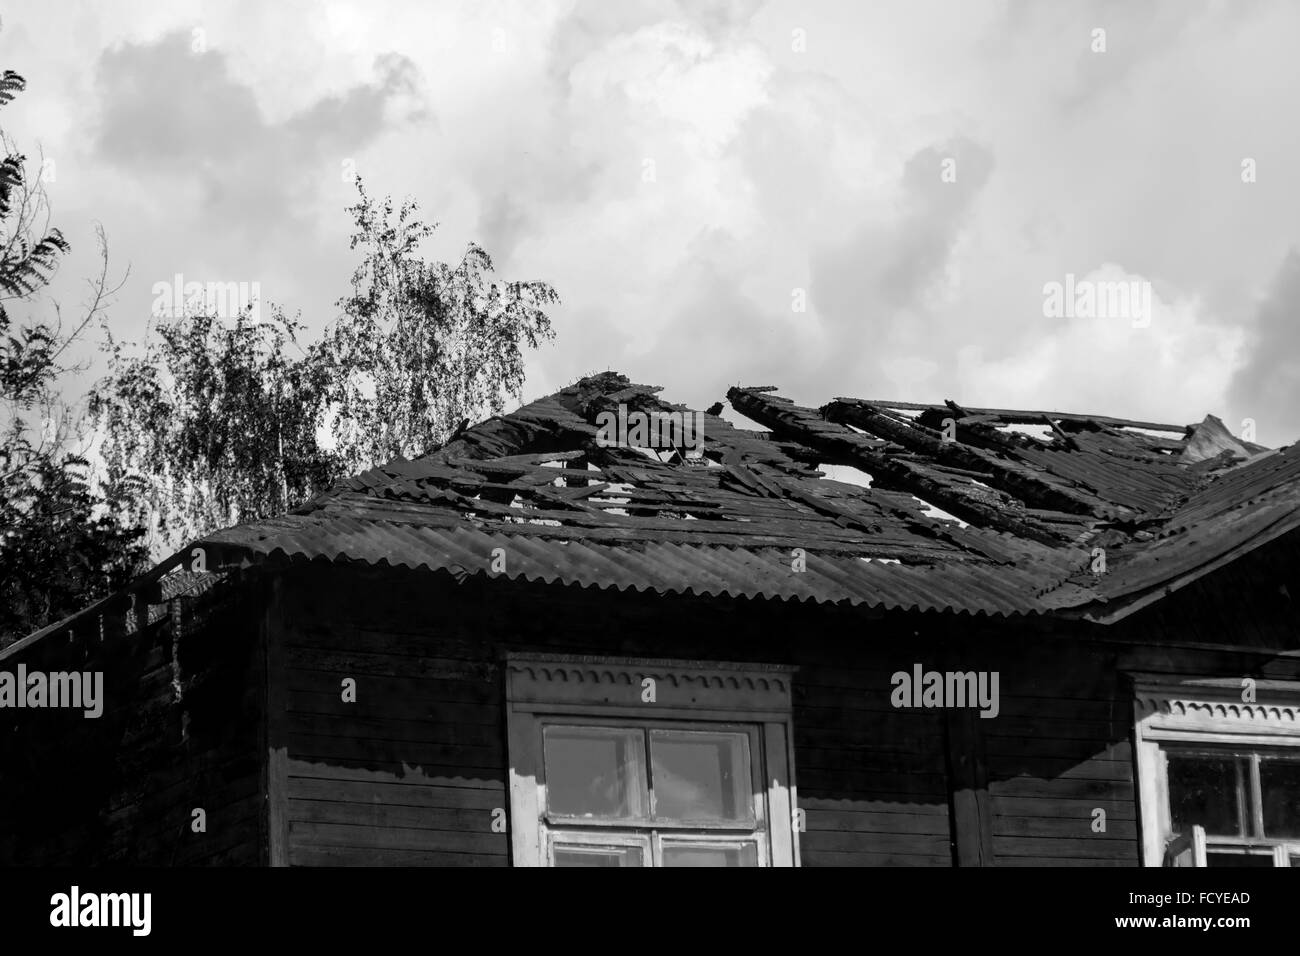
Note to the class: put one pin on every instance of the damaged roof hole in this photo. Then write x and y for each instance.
(739, 421)
(612, 491)
(1042, 433)
(931, 511)
(611, 495)
(559, 481)
(847, 474)
(1155, 432)
(689, 456)
(881, 560)
(545, 522)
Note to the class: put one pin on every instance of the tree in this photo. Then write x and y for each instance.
(220, 419)
(421, 346)
(62, 542)
(236, 422)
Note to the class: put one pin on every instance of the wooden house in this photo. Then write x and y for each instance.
(874, 633)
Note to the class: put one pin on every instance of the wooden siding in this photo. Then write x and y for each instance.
(179, 731)
(1057, 753)
(411, 772)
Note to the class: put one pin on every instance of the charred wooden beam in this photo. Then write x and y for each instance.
(1011, 416)
(839, 441)
(1011, 477)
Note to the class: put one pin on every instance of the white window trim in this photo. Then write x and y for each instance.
(1200, 711)
(541, 686)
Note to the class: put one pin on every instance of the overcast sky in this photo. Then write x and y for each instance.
(685, 174)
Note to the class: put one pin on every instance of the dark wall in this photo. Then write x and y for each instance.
(1057, 752)
(181, 729)
(1251, 602)
(1061, 749)
(411, 772)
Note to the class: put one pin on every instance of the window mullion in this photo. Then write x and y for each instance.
(1256, 797)
(1244, 824)
(649, 772)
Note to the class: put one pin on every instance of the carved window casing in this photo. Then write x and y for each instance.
(641, 762)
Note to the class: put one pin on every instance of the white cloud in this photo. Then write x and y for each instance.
(1173, 370)
(527, 124)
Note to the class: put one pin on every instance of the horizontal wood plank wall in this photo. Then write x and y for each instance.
(871, 777)
(1060, 749)
(1058, 757)
(179, 732)
(411, 772)
(1253, 602)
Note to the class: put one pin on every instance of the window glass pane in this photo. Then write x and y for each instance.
(738, 854)
(1279, 784)
(701, 776)
(595, 772)
(1204, 790)
(1237, 859)
(572, 855)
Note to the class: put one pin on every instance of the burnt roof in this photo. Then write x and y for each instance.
(1024, 514)
(965, 509)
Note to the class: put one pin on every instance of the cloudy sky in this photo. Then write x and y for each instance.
(840, 198)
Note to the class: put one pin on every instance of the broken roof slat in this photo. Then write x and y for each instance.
(839, 440)
(1022, 417)
(1008, 474)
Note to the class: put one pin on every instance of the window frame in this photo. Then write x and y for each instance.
(586, 838)
(1206, 716)
(693, 696)
(755, 820)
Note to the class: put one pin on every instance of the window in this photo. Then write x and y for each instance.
(1219, 777)
(649, 763)
(1246, 803)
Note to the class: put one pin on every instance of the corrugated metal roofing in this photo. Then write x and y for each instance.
(662, 567)
(1261, 476)
(1170, 558)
